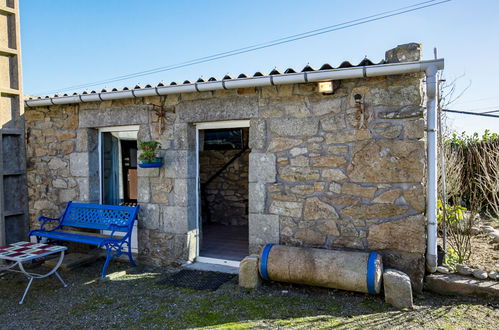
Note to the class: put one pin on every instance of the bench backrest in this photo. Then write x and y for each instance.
(96, 216)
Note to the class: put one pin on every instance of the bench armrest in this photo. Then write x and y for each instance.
(44, 220)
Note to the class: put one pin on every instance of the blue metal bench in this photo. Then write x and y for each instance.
(94, 216)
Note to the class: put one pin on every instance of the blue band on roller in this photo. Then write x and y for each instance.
(371, 271)
(263, 262)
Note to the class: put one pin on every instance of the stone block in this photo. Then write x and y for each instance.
(249, 277)
(223, 108)
(404, 53)
(413, 264)
(169, 157)
(262, 167)
(387, 161)
(388, 197)
(148, 172)
(404, 112)
(379, 211)
(406, 235)
(86, 139)
(294, 109)
(315, 209)
(149, 216)
(184, 192)
(327, 106)
(66, 195)
(333, 123)
(174, 219)
(290, 209)
(298, 174)
(143, 190)
(184, 136)
(263, 229)
(78, 164)
(160, 188)
(397, 287)
(257, 194)
(357, 190)
(257, 134)
(415, 196)
(56, 163)
(294, 126)
(414, 129)
(281, 144)
(310, 237)
(114, 116)
(185, 164)
(84, 188)
(329, 161)
(330, 174)
(451, 284)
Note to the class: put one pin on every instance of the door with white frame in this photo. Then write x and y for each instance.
(222, 158)
(118, 169)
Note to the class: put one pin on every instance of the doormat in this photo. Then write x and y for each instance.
(199, 280)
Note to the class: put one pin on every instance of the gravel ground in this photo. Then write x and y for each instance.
(135, 300)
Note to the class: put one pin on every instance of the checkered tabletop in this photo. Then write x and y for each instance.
(25, 251)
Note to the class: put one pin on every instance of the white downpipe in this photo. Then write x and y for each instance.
(431, 145)
(279, 79)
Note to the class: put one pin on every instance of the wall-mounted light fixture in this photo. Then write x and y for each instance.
(326, 87)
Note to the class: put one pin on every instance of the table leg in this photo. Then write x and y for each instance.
(60, 279)
(26, 291)
(33, 276)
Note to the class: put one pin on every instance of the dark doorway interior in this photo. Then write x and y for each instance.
(119, 168)
(224, 164)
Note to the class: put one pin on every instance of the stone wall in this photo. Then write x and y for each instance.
(324, 171)
(225, 198)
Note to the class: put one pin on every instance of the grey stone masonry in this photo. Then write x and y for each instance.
(324, 172)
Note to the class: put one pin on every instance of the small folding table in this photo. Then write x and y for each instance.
(25, 251)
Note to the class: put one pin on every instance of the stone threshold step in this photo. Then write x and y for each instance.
(452, 284)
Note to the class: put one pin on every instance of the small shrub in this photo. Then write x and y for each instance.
(148, 151)
(458, 230)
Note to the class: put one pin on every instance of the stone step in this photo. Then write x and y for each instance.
(212, 268)
(452, 284)
(72, 260)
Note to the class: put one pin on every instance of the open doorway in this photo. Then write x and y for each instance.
(118, 170)
(223, 192)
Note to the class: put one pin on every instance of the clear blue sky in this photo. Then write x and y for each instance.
(68, 43)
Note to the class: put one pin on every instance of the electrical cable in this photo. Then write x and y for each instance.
(259, 46)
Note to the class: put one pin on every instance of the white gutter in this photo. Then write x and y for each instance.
(431, 150)
(279, 79)
(429, 67)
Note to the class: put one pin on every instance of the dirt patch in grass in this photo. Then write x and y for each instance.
(136, 300)
(485, 253)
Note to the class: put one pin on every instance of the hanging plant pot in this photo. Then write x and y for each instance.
(148, 156)
(156, 162)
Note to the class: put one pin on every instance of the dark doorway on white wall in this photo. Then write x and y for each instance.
(223, 193)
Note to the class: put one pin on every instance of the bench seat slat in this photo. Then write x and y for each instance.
(92, 240)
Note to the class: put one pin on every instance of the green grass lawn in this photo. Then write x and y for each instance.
(136, 300)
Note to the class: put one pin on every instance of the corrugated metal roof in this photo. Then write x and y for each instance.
(307, 68)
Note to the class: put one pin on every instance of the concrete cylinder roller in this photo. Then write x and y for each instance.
(345, 270)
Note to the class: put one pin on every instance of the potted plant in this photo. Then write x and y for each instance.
(148, 156)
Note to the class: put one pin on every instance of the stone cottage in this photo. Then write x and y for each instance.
(249, 160)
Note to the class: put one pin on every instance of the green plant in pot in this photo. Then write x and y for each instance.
(149, 154)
